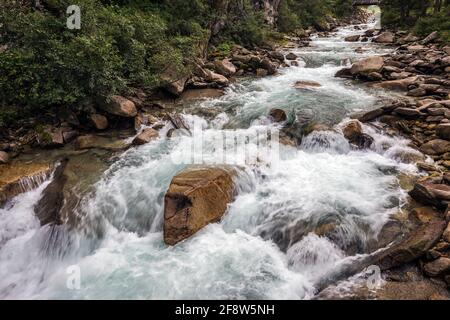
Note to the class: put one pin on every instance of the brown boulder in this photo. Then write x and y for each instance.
(437, 267)
(414, 246)
(399, 85)
(291, 56)
(119, 106)
(306, 84)
(225, 67)
(4, 157)
(98, 121)
(174, 82)
(385, 37)
(20, 177)
(430, 193)
(446, 234)
(278, 115)
(352, 129)
(368, 65)
(50, 204)
(435, 147)
(145, 136)
(443, 131)
(196, 197)
(344, 73)
(352, 38)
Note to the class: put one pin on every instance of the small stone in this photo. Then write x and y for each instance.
(437, 267)
(4, 157)
(261, 72)
(443, 131)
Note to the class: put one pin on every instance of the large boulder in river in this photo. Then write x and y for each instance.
(196, 197)
(118, 106)
(49, 206)
(174, 82)
(277, 115)
(368, 65)
(385, 37)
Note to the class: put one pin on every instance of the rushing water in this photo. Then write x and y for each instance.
(267, 246)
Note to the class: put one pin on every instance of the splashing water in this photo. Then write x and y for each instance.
(292, 222)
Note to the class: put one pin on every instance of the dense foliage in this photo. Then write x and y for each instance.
(422, 16)
(123, 44)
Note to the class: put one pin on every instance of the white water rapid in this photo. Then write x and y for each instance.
(270, 244)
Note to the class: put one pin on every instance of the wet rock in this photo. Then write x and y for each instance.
(435, 147)
(278, 115)
(425, 214)
(443, 131)
(437, 267)
(99, 121)
(306, 84)
(4, 157)
(85, 142)
(200, 94)
(145, 136)
(371, 115)
(417, 92)
(196, 197)
(276, 55)
(291, 56)
(385, 37)
(49, 206)
(414, 246)
(430, 193)
(20, 177)
(408, 112)
(344, 73)
(178, 122)
(354, 38)
(398, 85)
(119, 106)
(352, 129)
(225, 67)
(375, 76)
(368, 65)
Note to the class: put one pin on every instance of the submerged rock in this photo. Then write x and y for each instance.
(196, 197)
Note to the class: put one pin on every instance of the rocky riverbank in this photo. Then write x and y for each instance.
(419, 69)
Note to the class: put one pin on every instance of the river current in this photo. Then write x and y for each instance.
(267, 245)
